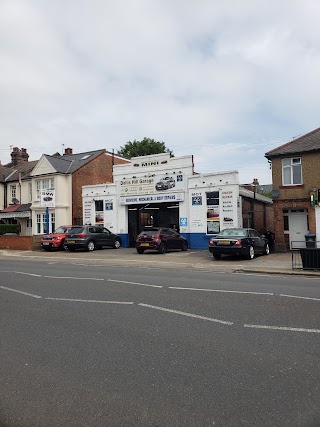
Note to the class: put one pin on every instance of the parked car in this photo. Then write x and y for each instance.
(238, 241)
(55, 240)
(91, 237)
(161, 240)
(165, 183)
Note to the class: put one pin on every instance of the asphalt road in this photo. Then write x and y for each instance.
(95, 345)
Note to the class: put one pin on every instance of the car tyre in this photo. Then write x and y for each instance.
(162, 248)
(117, 244)
(63, 247)
(184, 246)
(266, 249)
(90, 246)
(217, 257)
(140, 251)
(251, 253)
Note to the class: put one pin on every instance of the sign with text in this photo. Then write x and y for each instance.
(152, 198)
(47, 198)
(137, 186)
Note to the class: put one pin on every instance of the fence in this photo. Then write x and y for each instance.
(305, 255)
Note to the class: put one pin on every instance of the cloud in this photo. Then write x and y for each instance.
(223, 83)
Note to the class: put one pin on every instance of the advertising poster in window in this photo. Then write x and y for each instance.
(213, 227)
(99, 218)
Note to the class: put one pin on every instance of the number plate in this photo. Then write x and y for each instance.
(223, 242)
(45, 243)
(144, 244)
(71, 241)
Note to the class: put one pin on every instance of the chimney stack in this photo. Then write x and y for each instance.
(67, 151)
(19, 156)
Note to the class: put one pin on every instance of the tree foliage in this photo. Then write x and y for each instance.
(143, 148)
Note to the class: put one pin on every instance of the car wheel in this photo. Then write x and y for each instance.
(217, 256)
(63, 247)
(91, 246)
(184, 246)
(140, 251)
(162, 248)
(266, 249)
(116, 244)
(251, 253)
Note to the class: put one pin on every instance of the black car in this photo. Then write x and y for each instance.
(161, 240)
(91, 237)
(238, 241)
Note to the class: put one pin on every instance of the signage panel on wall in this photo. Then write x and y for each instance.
(152, 198)
(47, 198)
(149, 185)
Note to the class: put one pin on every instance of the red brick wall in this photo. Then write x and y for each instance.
(257, 215)
(24, 243)
(98, 171)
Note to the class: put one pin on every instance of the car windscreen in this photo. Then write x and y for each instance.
(61, 230)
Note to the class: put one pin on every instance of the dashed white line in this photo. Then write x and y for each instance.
(134, 283)
(89, 300)
(182, 313)
(20, 292)
(283, 328)
(21, 272)
(220, 290)
(72, 278)
(294, 296)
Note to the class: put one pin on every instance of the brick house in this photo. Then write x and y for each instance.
(65, 174)
(296, 184)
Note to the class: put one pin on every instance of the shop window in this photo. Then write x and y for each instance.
(213, 215)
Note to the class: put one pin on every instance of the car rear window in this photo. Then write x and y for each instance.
(76, 230)
(150, 232)
(233, 232)
(61, 230)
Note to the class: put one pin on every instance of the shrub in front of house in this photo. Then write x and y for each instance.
(9, 228)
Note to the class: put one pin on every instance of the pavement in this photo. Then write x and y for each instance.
(274, 263)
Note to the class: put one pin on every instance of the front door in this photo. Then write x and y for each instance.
(298, 227)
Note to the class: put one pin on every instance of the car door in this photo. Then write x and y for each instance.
(174, 241)
(258, 242)
(108, 237)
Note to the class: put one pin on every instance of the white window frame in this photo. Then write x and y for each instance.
(294, 162)
(44, 184)
(13, 192)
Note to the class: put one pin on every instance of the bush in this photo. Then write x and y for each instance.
(9, 228)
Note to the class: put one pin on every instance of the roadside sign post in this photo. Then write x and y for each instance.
(48, 201)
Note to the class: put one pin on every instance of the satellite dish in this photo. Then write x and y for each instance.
(15, 201)
(275, 193)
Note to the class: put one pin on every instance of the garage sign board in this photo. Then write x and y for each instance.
(47, 198)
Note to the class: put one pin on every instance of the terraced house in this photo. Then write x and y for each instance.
(64, 175)
(296, 189)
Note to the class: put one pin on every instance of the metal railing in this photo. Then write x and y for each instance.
(305, 255)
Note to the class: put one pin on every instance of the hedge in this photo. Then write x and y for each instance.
(9, 228)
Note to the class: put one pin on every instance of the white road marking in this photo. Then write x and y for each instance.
(220, 290)
(72, 278)
(182, 313)
(21, 272)
(20, 292)
(294, 296)
(134, 283)
(89, 300)
(283, 328)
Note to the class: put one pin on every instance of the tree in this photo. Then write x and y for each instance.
(143, 148)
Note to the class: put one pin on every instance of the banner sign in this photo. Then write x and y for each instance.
(152, 198)
(151, 184)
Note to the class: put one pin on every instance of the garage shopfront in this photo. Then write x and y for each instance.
(162, 191)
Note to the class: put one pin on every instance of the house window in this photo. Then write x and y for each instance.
(13, 193)
(291, 171)
(53, 222)
(44, 184)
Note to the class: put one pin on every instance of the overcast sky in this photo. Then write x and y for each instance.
(226, 81)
